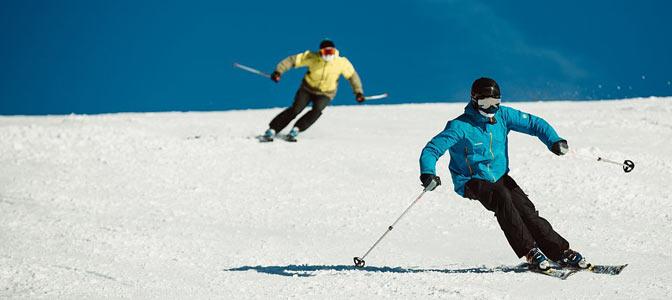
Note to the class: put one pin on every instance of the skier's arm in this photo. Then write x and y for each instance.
(529, 124)
(290, 62)
(356, 83)
(351, 75)
(437, 147)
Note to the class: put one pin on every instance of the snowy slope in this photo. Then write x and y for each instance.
(191, 206)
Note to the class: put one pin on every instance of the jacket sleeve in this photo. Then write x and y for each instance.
(437, 147)
(351, 75)
(529, 124)
(356, 83)
(293, 61)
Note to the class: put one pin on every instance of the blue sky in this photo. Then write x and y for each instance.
(62, 57)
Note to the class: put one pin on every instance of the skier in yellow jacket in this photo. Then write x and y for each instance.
(319, 86)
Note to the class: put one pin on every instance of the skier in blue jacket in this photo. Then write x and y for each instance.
(479, 165)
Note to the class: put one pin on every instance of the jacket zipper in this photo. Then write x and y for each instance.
(466, 153)
(493, 156)
(322, 77)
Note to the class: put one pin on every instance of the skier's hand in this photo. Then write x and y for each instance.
(426, 179)
(560, 147)
(359, 97)
(275, 76)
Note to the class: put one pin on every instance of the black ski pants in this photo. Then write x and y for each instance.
(517, 216)
(301, 100)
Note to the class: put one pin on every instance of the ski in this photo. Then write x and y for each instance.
(264, 138)
(553, 271)
(557, 273)
(284, 137)
(602, 269)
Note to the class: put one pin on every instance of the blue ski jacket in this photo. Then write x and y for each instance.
(479, 149)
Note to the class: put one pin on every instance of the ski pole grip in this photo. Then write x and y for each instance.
(431, 186)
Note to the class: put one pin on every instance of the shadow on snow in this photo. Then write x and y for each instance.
(309, 270)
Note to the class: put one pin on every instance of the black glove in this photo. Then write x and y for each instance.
(275, 76)
(426, 179)
(560, 147)
(360, 97)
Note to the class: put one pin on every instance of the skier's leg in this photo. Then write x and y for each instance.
(300, 102)
(548, 240)
(497, 198)
(319, 103)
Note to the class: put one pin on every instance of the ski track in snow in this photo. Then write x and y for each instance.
(192, 206)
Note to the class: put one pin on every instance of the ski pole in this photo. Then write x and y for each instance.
(246, 68)
(627, 165)
(376, 97)
(359, 261)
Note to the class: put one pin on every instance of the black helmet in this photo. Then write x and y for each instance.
(327, 43)
(487, 90)
(484, 88)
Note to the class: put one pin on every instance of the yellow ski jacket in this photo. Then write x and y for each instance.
(322, 76)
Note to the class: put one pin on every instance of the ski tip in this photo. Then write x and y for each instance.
(606, 269)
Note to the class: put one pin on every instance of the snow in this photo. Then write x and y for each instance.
(191, 206)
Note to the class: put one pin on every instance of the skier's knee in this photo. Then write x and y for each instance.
(294, 110)
(320, 108)
(503, 196)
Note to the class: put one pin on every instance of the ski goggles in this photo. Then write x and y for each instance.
(327, 51)
(489, 105)
(488, 102)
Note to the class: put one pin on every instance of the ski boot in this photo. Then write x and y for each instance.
(571, 258)
(291, 136)
(537, 259)
(268, 135)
